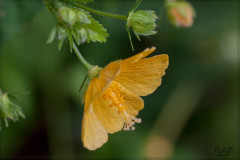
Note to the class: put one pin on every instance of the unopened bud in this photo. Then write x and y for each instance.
(180, 13)
(71, 16)
(142, 22)
(67, 15)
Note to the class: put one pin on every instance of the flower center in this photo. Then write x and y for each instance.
(116, 98)
(113, 94)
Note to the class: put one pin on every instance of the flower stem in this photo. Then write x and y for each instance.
(80, 57)
(101, 13)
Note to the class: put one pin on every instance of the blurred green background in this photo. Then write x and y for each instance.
(193, 112)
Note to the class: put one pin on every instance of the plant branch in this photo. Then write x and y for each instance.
(101, 13)
(80, 57)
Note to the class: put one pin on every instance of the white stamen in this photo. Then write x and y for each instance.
(130, 121)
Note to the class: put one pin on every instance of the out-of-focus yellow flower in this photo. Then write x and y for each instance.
(181, 13)
(112, 100)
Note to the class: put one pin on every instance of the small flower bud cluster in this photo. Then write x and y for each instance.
(71, 23)
(9, 110)
(76, 25)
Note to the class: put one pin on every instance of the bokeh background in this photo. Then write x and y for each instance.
(193, 112)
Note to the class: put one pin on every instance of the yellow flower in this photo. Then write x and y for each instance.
(112, 99)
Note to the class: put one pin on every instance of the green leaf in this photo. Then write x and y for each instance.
(95, 31)
(86, 29)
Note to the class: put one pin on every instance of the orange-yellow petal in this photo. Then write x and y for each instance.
(137, 57)
(133, 102)
(144, 76)
(108, 115)
(94, 134)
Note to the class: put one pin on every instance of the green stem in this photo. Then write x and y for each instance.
(80, 57)
(136, 5)
(101, 13)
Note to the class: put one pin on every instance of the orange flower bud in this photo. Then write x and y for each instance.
(180, 14)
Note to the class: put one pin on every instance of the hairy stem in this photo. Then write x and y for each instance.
(80, 57)
(101, 13)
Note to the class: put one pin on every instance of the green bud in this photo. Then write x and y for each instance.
(142, 22)
(180, 14)
(8, 109)
(67, 15)
(70, 16)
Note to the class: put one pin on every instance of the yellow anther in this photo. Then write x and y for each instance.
(121, 109)
(115, 96)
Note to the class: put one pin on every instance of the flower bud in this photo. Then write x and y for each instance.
(142, 22)
(180, 14)
(8, 109)
(70, 16)
(67, 15)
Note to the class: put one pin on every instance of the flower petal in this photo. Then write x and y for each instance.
(138, 56)
(94, 134)
(143, 77)
(108, 115)
(133, 102)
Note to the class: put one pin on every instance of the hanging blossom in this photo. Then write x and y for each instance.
(112, 100)
(181, 13)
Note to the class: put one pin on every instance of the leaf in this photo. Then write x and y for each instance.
(95, 31)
